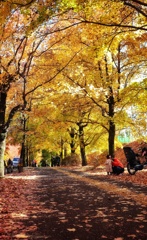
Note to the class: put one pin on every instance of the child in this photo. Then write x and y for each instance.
(108, 165)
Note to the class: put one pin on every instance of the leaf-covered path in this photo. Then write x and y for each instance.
(57, 204)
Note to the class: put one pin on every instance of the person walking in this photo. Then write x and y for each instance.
(9, 166)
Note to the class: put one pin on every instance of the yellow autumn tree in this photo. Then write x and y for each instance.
(22, 44)
(88, 53)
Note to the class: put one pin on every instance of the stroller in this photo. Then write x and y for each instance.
(133, 161)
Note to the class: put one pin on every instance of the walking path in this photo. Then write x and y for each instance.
(59, 204)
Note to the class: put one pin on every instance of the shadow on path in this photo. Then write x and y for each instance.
(60, 206)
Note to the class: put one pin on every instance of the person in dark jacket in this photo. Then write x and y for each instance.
(9, 166)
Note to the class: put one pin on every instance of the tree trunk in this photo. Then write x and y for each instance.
(23, 154)
(72, 143)
(23, 149)
(82, 145)
(111, 137)
(62, 148)
(65, 152)
(3, 96)
(2, 150)
(83, 156)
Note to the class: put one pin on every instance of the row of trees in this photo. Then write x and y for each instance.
(79, 64)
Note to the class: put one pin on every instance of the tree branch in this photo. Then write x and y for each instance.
(11, 115)
(49, 80)
(137, 8)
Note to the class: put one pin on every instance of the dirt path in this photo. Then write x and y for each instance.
(60, 205)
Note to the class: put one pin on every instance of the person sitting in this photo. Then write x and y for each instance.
(117, 166)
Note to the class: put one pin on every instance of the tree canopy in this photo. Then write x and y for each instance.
(79, 64)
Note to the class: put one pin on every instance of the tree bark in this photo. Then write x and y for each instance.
(111, 137)
(3, 96)
(2, 150)
(82, 145)
(72, 143)
(4, 125)
(111, 134)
